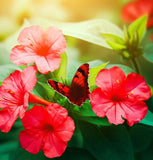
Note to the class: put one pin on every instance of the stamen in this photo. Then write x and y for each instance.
(117, 81)
(31, 44)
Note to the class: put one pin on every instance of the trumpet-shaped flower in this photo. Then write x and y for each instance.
(14, 94)
(39, 47)
(134, 10)
(119, 97)
(46, 129)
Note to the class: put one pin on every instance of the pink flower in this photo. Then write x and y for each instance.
(46, 129)
(119, 97)
(134, 10)
(14, 94)
(42, 48)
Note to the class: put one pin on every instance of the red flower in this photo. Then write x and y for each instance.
(151, 38)
(14, 94)
(119, 96)
(46, 129)
(42, 48)
(134, 10)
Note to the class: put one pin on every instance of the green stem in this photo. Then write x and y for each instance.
(135, 65)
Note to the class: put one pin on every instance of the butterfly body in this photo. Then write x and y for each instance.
(78, 91)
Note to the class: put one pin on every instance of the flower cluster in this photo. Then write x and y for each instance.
(47, 125)
(48, 128)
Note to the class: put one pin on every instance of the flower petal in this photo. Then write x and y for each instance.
(56, 114)
(34, 118)
(20, 56)
(31, 140)
(134, 10)
(8, 117)
(31, 35)
(65, 130)
(135, 111)
(110, 79)
(29, 79)
(99, 102)
(46, 123)
(150, 22)
(115, 114)
(53, 61)
(53, 146)
(49, 63)
(56, 40)
(13, 82)
(130, 12)
(136, 87)
(24, 106)
(42, 65)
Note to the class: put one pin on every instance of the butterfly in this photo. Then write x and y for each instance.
(78, 91)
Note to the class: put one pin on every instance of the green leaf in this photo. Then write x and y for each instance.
(95, 120)
(4, 156)
(148, 52)
(148, 120)
(76, 154)
(120, 141)
(9, 137)
(115, 42)
(85, 113)
(92, 75)
(85, 109)
(6, 69)
(69, 154)
(44, 90)
(106, 143)
(116, 46)
(21, 154)
(77, 138)
(60, 74)
(89, 31)
(137, 134)
(95, 142)
(8, 146)
(138, 26)
(149, 102)
(113, 38)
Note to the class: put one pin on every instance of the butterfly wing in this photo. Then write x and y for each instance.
(59, 87)
(79, 90)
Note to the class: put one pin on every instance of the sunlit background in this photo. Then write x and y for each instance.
(14, 12)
